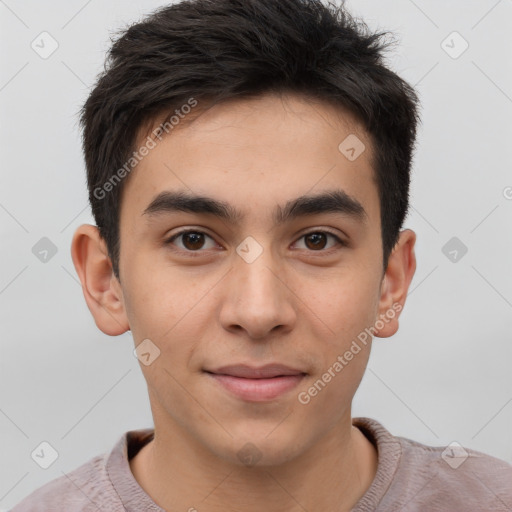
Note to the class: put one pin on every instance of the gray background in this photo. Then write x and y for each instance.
(444, 377)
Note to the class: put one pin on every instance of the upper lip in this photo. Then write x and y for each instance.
(252, 372)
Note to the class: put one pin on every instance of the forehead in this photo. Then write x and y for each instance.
(254, 153)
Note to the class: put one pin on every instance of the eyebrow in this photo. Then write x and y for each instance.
(335, 201)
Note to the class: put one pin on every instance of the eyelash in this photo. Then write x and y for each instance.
(170, 241)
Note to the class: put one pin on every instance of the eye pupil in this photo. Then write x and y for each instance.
(197, 240)
(193, 241)
(318, 240)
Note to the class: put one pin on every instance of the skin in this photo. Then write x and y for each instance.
(297, 304)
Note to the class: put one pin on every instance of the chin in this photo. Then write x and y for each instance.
(262, 447)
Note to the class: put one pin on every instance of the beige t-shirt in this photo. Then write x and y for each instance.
(410, 477)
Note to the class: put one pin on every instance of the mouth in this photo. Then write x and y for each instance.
(255, 384)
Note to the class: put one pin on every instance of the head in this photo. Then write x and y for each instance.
(273, 133)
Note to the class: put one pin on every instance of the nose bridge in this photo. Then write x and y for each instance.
(258, 300)
(255, 272)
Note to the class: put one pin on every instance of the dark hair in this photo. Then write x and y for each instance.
(210, 51)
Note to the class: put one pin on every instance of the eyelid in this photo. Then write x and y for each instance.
(170, 240)
(339, 240)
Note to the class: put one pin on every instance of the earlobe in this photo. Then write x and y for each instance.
(395, 285)
(101, 288)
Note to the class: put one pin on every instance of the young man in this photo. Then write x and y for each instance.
(248, 167)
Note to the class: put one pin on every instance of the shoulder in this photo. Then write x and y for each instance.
(85, 489)
(413, 477)
(453, 476)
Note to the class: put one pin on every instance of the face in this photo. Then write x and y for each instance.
(246, 277)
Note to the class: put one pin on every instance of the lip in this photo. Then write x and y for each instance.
(253, 372)
(257, 384)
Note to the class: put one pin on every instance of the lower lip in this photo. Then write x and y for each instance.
(258, 390)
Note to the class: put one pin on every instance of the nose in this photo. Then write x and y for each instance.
(258, 298)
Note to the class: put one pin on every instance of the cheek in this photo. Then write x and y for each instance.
(344, 304)
(171, 311)
(344, 355)
(157, 299)
(350, 309)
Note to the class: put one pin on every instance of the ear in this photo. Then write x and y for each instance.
(395, 284)
(101, 288)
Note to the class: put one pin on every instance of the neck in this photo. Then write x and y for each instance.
(178, 474)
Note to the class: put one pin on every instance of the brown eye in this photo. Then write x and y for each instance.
(319, 240)
(191, 241)
(316, 240)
